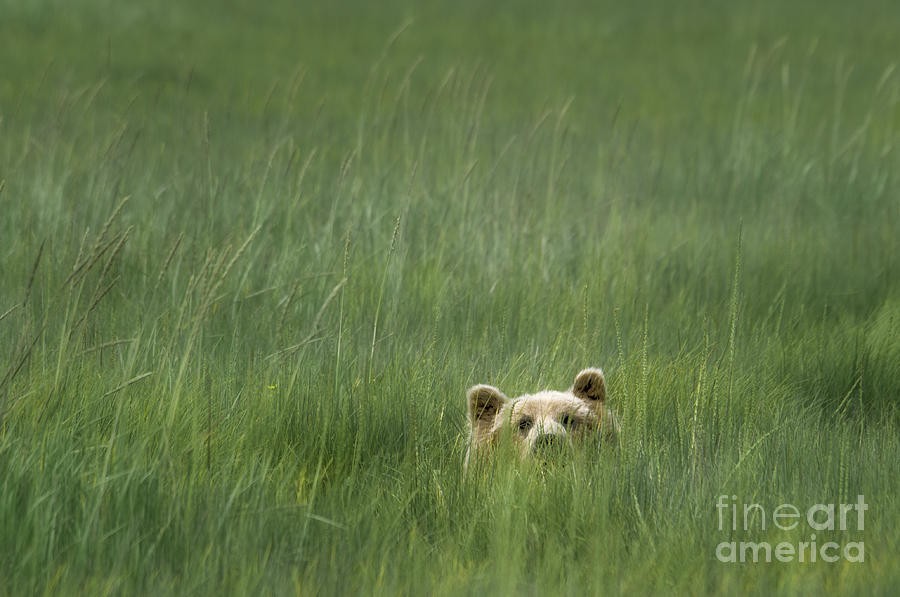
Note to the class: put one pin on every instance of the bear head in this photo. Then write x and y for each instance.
(541, 422)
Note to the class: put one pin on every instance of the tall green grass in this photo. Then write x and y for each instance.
(242, 298)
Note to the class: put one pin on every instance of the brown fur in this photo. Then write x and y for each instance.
(535, 421)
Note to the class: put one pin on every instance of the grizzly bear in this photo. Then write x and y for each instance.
(541, 422)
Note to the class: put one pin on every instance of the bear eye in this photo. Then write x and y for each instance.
(568, 421)
(525, 424)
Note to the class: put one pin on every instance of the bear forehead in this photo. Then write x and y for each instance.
(548, 403)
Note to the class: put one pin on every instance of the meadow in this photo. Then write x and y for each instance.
(252, 256)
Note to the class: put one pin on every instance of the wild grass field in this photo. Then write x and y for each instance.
(253, 255)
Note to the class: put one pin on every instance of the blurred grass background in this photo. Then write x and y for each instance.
(252, 257)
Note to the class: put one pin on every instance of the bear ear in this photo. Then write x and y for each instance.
(484, 404)
(590, 386)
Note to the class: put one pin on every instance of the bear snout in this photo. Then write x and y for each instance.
(547, 443)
